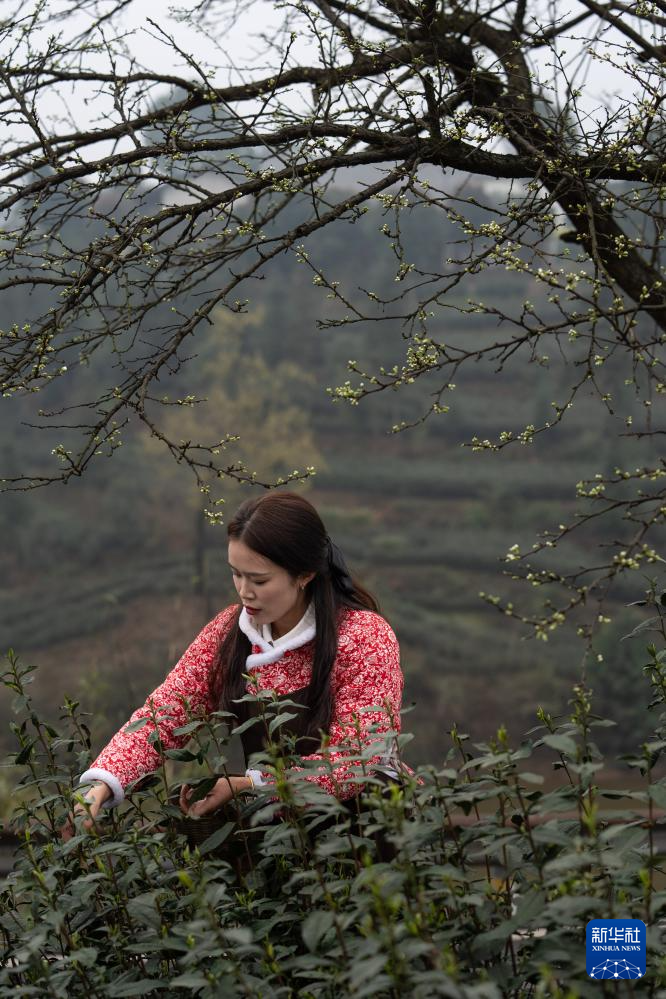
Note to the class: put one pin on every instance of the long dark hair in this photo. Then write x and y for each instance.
(286, 528)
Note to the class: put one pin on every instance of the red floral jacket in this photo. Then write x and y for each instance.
(366, 673)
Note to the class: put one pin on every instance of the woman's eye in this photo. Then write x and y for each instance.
(255, 582)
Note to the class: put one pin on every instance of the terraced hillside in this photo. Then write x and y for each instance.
(105, 582)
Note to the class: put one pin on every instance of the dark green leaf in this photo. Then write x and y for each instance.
(187, 729)
(201, 788)
(140, 988)
(182, 755)
(646, 625)
(561, 743)
(189, 981)
(217, 838)
(657, 793)
(24, 755)
(315, 926)
(136, 725)
(279, 720)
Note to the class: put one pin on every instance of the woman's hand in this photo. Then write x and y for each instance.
(219, 795)
(95, 796)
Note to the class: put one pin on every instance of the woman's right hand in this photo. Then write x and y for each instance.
(224, 790)
(95, 796)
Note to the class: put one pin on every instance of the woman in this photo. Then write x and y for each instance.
(305, 629)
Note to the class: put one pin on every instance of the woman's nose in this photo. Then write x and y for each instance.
(245, 590)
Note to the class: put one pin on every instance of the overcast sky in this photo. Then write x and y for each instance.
(230, 49)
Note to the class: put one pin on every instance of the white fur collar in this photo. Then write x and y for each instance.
(304, 632)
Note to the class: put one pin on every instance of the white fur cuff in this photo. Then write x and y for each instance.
(114, 785)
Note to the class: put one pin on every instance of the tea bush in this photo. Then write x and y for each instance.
(471, 880)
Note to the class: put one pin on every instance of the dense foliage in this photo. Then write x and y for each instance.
(335, 167)
(485, 894)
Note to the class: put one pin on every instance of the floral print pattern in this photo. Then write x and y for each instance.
(366, 674)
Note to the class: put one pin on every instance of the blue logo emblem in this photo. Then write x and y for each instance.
(615, 948)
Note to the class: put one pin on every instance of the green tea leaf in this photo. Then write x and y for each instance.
(217, 838)
(314, 928)
(561, 743)
(140, 988)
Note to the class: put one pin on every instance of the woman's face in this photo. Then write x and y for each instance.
(268, 592)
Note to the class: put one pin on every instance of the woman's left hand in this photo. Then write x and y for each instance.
(219, 795)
